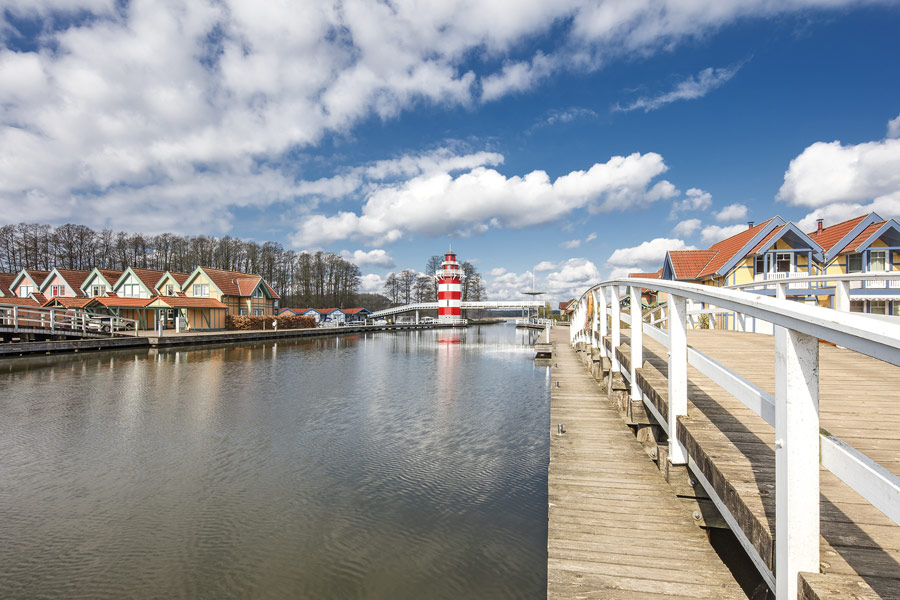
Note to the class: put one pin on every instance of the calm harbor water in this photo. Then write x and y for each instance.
(390, 465)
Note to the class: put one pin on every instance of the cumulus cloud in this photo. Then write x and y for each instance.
(571, 277)
(497, 272)
(377, 258)
(687, 228)
(371, 283)
(732, 212)
(689, 89)
(647, 256)
(475, 201)
(714, 233)
(893, 127)
(577, 243)
(545, 265)
(695, 199)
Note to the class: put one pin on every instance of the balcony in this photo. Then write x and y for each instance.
(780, 275)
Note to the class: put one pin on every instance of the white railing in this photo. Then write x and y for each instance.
(799, 440)
(63, 320)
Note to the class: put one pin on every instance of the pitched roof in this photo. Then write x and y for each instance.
(19, 301)
(68, 302)
(73, 278)
(688, 264)
(6, 280)
(767, 240)
(186, 302)
(829, 236)
(654, 275)
(246, 285)
(727, 248)
(39, 297)
(233, 283)
(148, 277)
(111, 275)
(116, 302)
(353, 311)
(36, 276)
(865, 234)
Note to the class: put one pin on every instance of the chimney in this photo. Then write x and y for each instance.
(749, 224)
(820, 225)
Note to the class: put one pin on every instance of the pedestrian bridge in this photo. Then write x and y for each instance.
(789, 439)
(489, 305)
(18, 321)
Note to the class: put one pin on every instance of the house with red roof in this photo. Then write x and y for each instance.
(65, 283)
(864, 244)
(241, 293)
(6, 280)
(28, 282)
(99, 282)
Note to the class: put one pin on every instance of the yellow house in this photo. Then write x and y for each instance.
(241, 293)
(864, 244)
(170, 284)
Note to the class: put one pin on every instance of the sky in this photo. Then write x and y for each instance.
(553, 144)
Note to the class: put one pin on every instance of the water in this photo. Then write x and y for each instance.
(391, 465)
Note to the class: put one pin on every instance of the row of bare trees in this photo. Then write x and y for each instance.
(408, 286)
(310, 280)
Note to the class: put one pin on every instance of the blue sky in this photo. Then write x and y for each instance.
(571, 140)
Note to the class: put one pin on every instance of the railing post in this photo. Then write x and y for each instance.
(677, 376)
(601, 305)
(594, 318)
(52, 319)
(15, 318)
(637, 341)
(616, 327)
(796, 458)
(83, 322)
(842, 296)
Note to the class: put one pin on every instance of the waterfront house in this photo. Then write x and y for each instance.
(291, 312)
(99, 282)
(334, 316)
(64, 283)
(137, 283)
(196, 313)
(357, 314)
(28, 282)
(170, 284)
(241, 293)
(865, 244)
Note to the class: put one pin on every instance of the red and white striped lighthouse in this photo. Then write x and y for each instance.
(449, 280)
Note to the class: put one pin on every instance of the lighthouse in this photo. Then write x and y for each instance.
(449, 280)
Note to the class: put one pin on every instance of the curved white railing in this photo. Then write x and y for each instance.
(793, 411)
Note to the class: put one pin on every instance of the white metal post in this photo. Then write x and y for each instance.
(637, 341)
(601, 305)
(796, 458)
(842, 296)
(677, 376)
(52, 319)
(15, 318)
(616, 327)
(594, 319)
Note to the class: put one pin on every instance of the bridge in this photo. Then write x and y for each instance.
(489, 305)
(788, 439)
(17, 321)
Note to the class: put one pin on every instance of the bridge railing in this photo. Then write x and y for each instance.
(63, 320)
(800, 443)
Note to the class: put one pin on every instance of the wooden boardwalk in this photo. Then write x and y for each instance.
(616, 529)
(859, 402)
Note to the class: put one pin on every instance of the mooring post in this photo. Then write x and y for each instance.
(616, 327)
(677, 376)
(637, 340)
(796, 457)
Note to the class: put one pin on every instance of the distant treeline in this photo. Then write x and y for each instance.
(316, 280)
(408, 286)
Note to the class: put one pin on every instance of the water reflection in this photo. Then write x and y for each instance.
(404, 465)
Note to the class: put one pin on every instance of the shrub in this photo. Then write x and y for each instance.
(246, 322)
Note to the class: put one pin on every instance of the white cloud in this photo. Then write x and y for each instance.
(508, 286)
(732, 212)
(371, 283)
(545, 265)
(473, 202)
(496, 272)
(571, 277)
(687, 228)
(695, 199)
(713, 233)
(887, 206)
(827, 173)
(577, 243)
(377, 257)
(647, 256)
(691, 88)
(893, 127)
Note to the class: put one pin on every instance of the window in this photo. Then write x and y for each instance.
(878, 307)
(25, 290)
(858, 306)
(896, 306)
(131, 290)
(258, 293)
(760, 263)
(854, 263)
(258, 312)
(98, 290)
(782, 262)
(201, 290)
(243, 312)
(170, 290)
(877, 260)
(57, 290)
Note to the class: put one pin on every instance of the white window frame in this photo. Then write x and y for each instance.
(98, 290)
(170, 289)
(883, 305)
(258, 293)
(855, 256)
(201, 290)
(779, 256)
(24, 290)
(884, 259)
(57, 290)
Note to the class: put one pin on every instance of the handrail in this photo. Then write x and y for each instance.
(63, 319)
(873, 275)
(799, 328)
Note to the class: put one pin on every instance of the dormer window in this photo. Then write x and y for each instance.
(782, 262)
(258, 293)
(25, 290)
(878, 260)
(170, 290)
(201, 290)
(98, 290)
(57, 290)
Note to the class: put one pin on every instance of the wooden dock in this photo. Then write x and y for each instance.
(859, 400)
(616, 529)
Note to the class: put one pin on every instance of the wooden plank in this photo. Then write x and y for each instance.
(613, 519)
